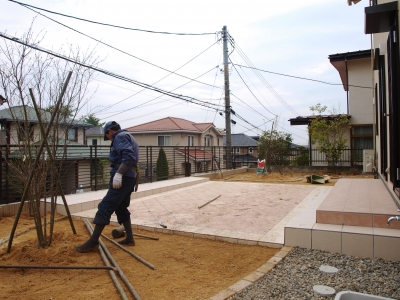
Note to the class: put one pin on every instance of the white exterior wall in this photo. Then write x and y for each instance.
(37, 135)
(360, 99)
(100, 140)
(179, 139)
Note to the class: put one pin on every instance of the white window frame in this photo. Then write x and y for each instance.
(69, 131)
(190, 140)
(250, 150)
(207, 141)
(166, 141)
(237, 149)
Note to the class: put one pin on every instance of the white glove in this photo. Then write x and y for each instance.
(117, 181)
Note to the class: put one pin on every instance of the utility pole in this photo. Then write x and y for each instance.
(227, 101)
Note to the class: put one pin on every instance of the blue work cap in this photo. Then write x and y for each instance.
(110, 125)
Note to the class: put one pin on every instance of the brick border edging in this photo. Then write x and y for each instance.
(253, 277)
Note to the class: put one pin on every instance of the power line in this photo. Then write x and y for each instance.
(169, 91)
(250, 89)
(263, 80)
(110, 25)
(303, 78)
(144, 85)
(171, 72)
(255, 86)
(128, 89)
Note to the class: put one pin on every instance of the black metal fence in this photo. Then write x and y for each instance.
(86, 168)
(306, 157)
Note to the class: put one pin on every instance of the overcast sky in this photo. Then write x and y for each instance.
(290, 37)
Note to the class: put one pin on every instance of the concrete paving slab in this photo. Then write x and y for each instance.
(253, 212)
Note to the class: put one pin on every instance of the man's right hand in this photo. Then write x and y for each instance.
(117, 181)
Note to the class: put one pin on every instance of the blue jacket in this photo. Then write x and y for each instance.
(124, 149)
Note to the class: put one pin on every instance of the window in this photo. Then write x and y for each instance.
(71, 134)
(217, 141)
(190, 140)
(164, 140)
(250, 150)
(94, 142)
(207, 140)
(237, 150)
(362, 137)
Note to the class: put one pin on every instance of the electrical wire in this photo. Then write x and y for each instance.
(250, 89)
(171, 72)
(219, 102)
(262, 79)
(303, 78)
(254, 85)
(144, 85)
(110, 25)
(169, 91)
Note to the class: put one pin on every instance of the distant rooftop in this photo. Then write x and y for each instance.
(171, 124)
(241, 140)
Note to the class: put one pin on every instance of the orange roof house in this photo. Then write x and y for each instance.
(172, 131)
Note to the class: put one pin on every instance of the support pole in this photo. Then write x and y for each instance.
(52, 158)
(227, 100)
(38, 154)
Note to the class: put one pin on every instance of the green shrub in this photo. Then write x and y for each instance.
(162, 166)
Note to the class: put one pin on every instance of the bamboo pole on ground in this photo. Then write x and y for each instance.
(110, 257)
(208, 202)
(107, 262)
(130, 252)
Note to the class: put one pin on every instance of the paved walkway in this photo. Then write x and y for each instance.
(250, 213)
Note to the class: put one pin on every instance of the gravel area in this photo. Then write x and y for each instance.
(295, 276)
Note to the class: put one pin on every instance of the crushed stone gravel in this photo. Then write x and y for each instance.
(295, 276)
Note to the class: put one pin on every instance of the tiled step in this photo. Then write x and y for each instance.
(351, 219)
(358, 202)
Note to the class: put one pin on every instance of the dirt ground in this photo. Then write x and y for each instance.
(289, 177)
(186, 268)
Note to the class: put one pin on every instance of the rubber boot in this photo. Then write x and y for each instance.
(93, 242)
(128, 241)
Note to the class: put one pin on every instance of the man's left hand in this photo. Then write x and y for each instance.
(117, 181)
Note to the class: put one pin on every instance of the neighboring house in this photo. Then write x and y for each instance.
(13, 133)
(354, 70)
(244, 149)
(76, 157)
(172, 131)
(382, 22)
(95, 137)
(176, 135)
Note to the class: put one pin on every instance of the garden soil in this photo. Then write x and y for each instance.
(186, 268)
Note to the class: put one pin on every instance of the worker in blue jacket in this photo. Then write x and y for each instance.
(124, 156)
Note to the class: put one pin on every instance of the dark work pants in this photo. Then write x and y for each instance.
(116, 200)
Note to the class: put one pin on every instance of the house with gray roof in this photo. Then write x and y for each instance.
(20, 137)
(244, 149)
(18, 123)
(95, 136)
